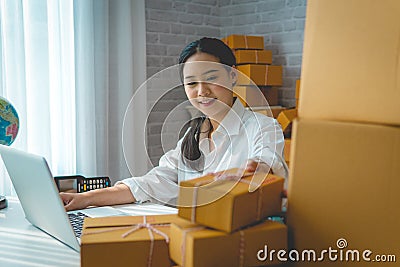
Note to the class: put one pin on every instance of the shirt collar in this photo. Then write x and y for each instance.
(232, 121)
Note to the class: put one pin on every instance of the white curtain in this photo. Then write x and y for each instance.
(70, 69)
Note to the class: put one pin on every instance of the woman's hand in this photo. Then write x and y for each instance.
(117, 194)
(257, 166)
(75, 201)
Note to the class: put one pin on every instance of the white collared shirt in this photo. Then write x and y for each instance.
(241, 135)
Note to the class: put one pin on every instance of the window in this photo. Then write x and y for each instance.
(37, 77)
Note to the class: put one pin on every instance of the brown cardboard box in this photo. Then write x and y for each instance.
(260, 75)
(286, 117)
(228, 205)
(351, 61)
(194, 246)
(344, 183)
(253, 56)
(272, 111)
(286, 150)
(297, 93)
(254, 96)
(102, 243)
(297, 89)
(244, 41)
(250, 96)
(271, 94)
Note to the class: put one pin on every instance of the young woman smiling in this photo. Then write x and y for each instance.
(225, 136)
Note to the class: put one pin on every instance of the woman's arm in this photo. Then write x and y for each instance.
(118, 194)
(268, 145)
(160, 183)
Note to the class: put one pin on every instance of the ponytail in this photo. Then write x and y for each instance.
(190, 150)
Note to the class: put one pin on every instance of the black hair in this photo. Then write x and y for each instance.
(191, 154)
(211, 46)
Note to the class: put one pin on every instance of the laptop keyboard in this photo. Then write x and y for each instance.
(76, 220)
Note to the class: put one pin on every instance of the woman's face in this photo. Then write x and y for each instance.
(208, 84)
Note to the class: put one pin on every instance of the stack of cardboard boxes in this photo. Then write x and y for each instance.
(345, 163)
(225, 224)
(285, 119)
(258, 78)
(219, 223)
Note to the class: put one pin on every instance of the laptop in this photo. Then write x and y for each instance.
(40, 200)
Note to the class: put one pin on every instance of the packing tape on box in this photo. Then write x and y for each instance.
(183, 248)
(256, 52)
(245, 41)
(150, 228)
(220, 177)
(266, 75)
(241, 249)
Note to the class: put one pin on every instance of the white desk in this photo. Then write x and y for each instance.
(21, 244)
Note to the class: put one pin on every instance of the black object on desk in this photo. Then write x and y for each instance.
(3, 202)
(80, 184)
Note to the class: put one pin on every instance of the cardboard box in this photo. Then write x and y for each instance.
(254, 96)
(194, 246)
(344, 183)
(250, 96)
(260, 75)
(297, 94)
(253, 57)
(271, 94)
(244, 41)
(286, 117)
(102, 243)
(351, 62)
(286, 150)
(272, 111)
(227, 205)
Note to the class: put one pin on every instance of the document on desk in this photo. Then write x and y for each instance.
(101, 212)
(128, 209)
(145, 209)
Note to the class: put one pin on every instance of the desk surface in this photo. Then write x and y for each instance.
(22, 244)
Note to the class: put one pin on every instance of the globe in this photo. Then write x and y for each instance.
(9, 122)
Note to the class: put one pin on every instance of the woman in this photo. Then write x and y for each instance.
(227, 136)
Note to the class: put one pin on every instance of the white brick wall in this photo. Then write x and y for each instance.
(172, 24)
(281, 22)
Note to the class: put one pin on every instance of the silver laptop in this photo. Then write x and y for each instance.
(39, 196)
